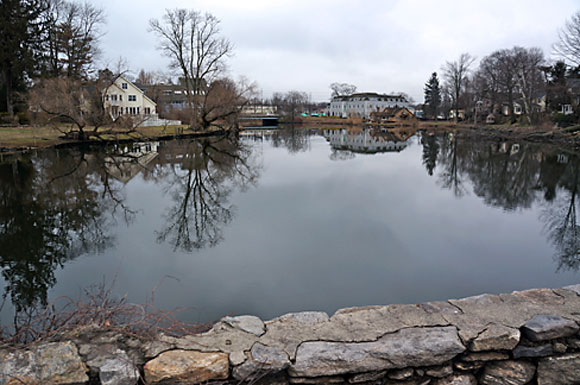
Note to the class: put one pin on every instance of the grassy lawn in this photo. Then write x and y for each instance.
(11, 137)
(46, 136)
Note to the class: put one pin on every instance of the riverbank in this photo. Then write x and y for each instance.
(26, 138)
(520, 338)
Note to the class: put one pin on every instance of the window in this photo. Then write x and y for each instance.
(132, 98)
(121, 98)
(124, 86)
(107, 98)
(147, 111)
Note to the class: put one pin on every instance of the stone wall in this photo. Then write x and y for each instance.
(527, 337)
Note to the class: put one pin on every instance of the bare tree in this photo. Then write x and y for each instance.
(223, 102)
(497, 77)
(528, 76)
(193, 43)
(294, 102)
(73, 33)
(146, 78)
(455, 74)
(340, 89)
(75, 107)
(568, 45)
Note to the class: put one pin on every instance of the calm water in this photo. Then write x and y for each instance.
(290, 221)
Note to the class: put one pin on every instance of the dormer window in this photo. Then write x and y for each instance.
(124, 86)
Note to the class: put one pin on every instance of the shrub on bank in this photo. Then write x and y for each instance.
(563, 121)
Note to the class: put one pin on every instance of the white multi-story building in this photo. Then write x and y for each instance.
(363, 104)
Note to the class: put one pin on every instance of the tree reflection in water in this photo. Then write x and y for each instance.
(54, 207)
(202, 175)
(561, 222)
(511, 176)
(295, 139)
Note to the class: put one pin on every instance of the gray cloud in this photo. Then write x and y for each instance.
(378, 45)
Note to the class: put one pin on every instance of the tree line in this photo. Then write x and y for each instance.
(46, 38)
(49, 50)
(513, 82)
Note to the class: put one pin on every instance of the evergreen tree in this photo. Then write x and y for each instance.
(432, 96)
(556, 89)
(20, 40)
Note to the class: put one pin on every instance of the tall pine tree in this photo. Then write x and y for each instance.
(20, 40)
(432, 96)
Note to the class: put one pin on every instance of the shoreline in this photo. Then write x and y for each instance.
(39, 138)
(60, 142)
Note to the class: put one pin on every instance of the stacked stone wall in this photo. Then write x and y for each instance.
(527, 337)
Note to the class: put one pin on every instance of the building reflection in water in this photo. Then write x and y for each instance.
(363, 140)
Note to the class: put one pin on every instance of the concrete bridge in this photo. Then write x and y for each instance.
(263, 120)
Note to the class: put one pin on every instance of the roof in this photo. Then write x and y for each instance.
(367, 95)
(134, 85)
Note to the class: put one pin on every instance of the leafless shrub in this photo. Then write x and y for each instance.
(95, 308)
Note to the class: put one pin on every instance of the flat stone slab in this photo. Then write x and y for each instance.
(508, 373)
(247, 323)
(563, 370)
(119, 371)
(496, 337)
(49, 363)
(532, 351)
(262, 359)
(544, 327)
(457, 379)
(186, 367)
(411, 347)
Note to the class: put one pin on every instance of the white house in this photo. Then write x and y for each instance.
(124, 98)
(363, 104)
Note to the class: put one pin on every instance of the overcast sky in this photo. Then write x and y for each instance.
(377, 45)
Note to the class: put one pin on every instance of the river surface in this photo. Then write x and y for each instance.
(287, 221)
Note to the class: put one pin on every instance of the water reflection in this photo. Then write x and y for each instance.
(60, 204)
(53, 208)
(294, 139)
(512, 176)
(363, 140)
(199, 176)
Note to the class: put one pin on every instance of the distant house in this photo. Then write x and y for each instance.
(363, 104)
(573, 86)
(170, 96)
(460, 114)
(538, 105)
(255, 109)
(393, 115)
(123, 98)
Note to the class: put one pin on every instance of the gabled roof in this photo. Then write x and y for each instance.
(133, 84)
